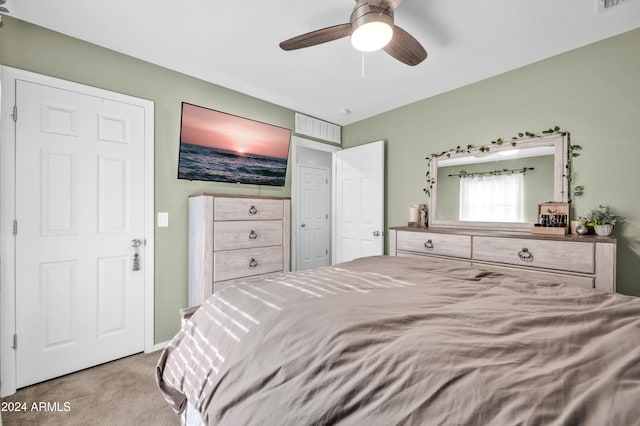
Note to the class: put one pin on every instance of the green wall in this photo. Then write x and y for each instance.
(593, 92)
(36, 49)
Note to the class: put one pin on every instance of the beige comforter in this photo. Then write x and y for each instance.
(390, 340)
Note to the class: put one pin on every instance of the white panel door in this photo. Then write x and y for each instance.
(79, 205)
(359, 202)
(314, 233)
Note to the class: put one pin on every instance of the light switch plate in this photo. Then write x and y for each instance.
(163, 219)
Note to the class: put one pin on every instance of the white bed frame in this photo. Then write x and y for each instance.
(191, 417)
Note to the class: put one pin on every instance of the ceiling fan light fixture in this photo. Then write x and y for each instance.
(371, 36)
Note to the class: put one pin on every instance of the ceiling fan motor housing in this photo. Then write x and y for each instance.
(364, 13)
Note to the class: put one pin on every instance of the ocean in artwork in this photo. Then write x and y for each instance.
(219, 165)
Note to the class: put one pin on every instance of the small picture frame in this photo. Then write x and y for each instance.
(553, 219)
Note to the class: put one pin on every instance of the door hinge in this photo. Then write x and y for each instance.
(15, 227)
(14, 115)
(15, 341)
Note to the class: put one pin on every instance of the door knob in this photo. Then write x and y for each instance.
(303, 225)
(376, 233)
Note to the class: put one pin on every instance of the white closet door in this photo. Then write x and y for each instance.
(313, 199)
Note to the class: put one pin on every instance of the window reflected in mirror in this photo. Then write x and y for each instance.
(492, 198)
(500, 187)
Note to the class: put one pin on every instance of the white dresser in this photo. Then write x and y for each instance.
(233, 237)
(586, 261)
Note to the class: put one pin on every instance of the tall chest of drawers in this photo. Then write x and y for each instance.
(233, 238)
(584, 261)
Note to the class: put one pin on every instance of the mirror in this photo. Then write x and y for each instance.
(498, 187)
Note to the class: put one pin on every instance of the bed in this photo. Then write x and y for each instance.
(395, 340)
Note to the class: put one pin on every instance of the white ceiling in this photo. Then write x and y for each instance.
(235, 44)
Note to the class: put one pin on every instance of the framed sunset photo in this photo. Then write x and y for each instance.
(220, 147)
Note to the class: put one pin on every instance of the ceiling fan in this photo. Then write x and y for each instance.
(371, 28)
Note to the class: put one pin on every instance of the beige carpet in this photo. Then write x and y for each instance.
(121, 392)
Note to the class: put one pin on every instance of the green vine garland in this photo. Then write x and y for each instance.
(573, 152)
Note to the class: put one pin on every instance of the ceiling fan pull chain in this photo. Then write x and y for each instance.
(363, 65)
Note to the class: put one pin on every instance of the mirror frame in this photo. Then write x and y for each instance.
(560, 142)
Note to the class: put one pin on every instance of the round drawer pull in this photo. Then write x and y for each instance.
(253, 210)
(253, 263)
(428, 244)
(253, 235)
(525, 255)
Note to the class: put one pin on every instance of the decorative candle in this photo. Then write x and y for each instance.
(414, 215)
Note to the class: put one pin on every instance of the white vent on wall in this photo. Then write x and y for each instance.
(608, 4)
(318, 129)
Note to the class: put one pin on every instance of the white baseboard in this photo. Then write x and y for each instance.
(159, 346)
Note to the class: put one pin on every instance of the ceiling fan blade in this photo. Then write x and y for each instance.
(405, 48)
(317, 37)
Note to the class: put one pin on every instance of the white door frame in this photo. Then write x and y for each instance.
(8, 77)
(297, 142)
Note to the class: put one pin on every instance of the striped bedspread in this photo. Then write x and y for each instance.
(391, 340)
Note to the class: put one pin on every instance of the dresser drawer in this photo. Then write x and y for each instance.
(235, 235)
(247, 209)
(228, 265)
(435, 243)
(561, 255)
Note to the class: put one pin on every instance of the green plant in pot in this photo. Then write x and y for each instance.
(601, 219)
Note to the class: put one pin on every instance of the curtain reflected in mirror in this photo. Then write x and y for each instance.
(493, 198)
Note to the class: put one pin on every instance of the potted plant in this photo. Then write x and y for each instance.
(601, 220)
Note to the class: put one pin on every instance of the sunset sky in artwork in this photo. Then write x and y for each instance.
(206, 127)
